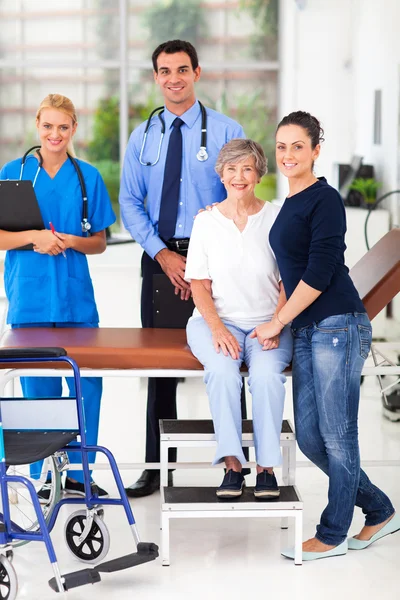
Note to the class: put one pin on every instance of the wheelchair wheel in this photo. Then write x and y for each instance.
(95, 546)
(8, 580)
(21, 507)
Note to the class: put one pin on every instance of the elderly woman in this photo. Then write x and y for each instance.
(235, 284)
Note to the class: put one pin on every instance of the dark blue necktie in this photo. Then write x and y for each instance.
(171, 183)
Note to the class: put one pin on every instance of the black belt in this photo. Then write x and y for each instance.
(178, 244)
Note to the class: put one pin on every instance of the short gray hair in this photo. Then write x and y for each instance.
(237, 150)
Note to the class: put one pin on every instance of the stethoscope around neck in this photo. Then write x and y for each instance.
(86, 226)
(202, 154)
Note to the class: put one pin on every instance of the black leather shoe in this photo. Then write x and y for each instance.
(147, 484)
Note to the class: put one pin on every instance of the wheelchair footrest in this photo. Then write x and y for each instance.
(146, 551)
(76, 579)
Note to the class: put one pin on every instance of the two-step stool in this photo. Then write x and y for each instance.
(202, 502)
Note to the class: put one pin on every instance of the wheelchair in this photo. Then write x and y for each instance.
(46, 428)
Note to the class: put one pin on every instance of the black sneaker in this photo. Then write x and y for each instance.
(266, 486)
(44, 492)
(78, 489)
(231, 486)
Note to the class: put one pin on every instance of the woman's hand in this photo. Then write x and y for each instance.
(66, 238)
(272, 343)
(45, 242)
(224, 339)
(267, 331)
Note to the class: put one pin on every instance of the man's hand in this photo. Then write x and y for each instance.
(185, 294)
(45, 242)
(173, 265)
(224, 339)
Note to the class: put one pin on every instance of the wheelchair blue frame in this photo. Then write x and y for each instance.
(11, 531)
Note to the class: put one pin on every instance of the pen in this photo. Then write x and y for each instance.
(53, 231)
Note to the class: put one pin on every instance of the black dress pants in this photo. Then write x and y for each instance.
(161, 392)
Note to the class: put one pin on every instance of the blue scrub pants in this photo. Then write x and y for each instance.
(224, 384)
(92, 388)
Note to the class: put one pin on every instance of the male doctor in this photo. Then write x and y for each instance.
(159, 197)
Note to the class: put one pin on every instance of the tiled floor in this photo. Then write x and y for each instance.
(227, 558)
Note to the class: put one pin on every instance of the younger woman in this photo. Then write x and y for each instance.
(50, 286)
(332, 338)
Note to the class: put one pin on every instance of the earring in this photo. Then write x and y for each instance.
(222, 181)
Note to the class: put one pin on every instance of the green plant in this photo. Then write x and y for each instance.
(175, 19)
(263, 44)
(104, 144)
(110, 172)
(266, 189)
(257, 120)
(107, 30)
(367, 188)
(103, 148)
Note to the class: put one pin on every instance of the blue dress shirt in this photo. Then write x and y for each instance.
(140, 192)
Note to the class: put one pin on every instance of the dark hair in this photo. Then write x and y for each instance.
(311, 125)
(174, 46)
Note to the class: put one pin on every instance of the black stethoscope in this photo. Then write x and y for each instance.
(86, 226)
(202, 154)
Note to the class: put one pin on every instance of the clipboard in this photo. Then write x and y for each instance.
(19, 208)
(169, 311)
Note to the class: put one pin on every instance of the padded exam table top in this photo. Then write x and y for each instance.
(376, 276)
(112, 348)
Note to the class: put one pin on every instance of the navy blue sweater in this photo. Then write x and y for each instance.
(308, 241)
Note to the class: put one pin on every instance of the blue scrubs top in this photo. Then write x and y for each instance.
(41, 288)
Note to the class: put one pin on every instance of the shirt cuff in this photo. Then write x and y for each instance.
(154, 247)
(199, 276)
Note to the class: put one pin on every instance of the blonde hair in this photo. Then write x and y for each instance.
(237, 150)
(63, 104)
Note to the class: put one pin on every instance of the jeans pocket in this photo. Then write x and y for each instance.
(332, 324)
(299, 331)
(365, 337)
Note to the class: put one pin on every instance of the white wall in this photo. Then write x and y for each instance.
(376, 66)
(316, 73)
(333, 56)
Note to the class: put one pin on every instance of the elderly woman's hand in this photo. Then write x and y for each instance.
(224, 339)
(267, 332)
(271, 344)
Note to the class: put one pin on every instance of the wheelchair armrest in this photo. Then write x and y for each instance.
(31, 353)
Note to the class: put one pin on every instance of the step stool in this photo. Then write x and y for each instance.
(202, 502)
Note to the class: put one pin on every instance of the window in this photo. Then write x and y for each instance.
(77, 48)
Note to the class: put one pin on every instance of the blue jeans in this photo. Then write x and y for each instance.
(224, 383)
(328, 358)
(92, 387)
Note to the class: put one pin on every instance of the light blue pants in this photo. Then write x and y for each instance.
(92, 387)
(224, 382)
